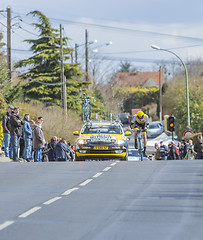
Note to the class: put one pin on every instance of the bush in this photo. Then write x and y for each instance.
(55, 123)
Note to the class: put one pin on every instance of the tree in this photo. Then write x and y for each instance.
(174, 101)
(44, 66)
(3, 67)
(126, 67)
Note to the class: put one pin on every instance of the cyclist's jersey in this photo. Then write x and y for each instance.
(144, 122)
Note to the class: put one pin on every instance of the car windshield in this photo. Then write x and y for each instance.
(133, 153)
(101, 129)
(122, 115)
(153, 126)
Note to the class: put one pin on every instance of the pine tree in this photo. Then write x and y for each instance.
(44, 66)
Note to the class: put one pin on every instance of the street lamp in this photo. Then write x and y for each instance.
(96, 49)
(80, 45)
(186, 78)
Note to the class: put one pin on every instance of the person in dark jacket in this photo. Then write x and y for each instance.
(163, 151)
(61, 151)
(16, 131)
(6, 132)
(51, 147)
(198, 147)
(27, 136)
(184, 148)
(172, 155)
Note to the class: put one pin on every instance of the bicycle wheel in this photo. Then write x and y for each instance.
(89, 111)
(140, 145)
(83, 112)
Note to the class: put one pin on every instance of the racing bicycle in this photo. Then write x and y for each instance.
(86, 107)
(140, 144)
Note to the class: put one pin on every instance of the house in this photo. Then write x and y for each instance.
(139, 79)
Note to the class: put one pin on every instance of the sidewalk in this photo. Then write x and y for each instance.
(5, 159)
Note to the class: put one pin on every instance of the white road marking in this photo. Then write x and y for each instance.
(106, 169)
(69, 191)
(113, 164)
(52, 200)
(29, 212)
(5, 224)
(97, 174)
(86, 182)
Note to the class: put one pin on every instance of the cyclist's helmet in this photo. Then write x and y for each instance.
(140, 114)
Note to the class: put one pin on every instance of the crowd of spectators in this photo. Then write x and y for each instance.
(184, 150)
(23, 139)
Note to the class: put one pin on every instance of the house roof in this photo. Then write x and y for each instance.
(141, 79)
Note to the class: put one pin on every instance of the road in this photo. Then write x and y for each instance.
(100, 200)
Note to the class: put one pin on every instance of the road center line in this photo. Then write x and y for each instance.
(5, 224)
(106, 169)
(29, 212)
(52, 200)
(113, 164)
(97, 174)
(86, 182)
(69, 191)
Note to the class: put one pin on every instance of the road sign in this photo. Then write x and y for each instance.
(187, 132)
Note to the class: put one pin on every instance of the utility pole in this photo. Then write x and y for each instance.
(63, 80)
(9, 42)
(86, 54)
(76, 53)
(160, 96)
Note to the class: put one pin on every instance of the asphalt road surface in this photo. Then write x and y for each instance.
(102, 200)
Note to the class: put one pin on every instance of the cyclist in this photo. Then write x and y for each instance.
(140, 120)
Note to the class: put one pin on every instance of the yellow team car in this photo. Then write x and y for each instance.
(101, 140)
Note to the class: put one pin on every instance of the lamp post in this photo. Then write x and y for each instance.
(186, 78)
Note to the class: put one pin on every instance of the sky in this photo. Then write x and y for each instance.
(131, 25)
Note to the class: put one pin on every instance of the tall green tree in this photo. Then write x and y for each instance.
(44, 66)
(174, 102)
(3, 66)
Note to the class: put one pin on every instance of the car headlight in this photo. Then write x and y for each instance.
(120, 142)
(81, 141)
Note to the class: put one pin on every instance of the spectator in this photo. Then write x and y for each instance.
(16, 131)
(184, 148)
(180, 150)
(51, 147)
(157, 154)
(61, 151)
(72, 152)
(27, 135)
(198, 147)
(8, 150)
(31, 157)
(38, 140)
(172, 153)
(163, 151)
(190, 151)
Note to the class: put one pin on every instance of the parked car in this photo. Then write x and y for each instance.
(155, 129)
(133, 155)
(124, 118)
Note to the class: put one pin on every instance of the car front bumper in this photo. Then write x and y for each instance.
(105, 152)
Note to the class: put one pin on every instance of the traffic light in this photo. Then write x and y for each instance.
(171, 123)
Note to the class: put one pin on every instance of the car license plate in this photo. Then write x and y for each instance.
(101, 148)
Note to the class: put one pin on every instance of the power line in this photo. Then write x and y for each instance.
(148, 60)
(43, 83)
(122, 29)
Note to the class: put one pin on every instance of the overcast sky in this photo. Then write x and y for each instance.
(132, 25)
